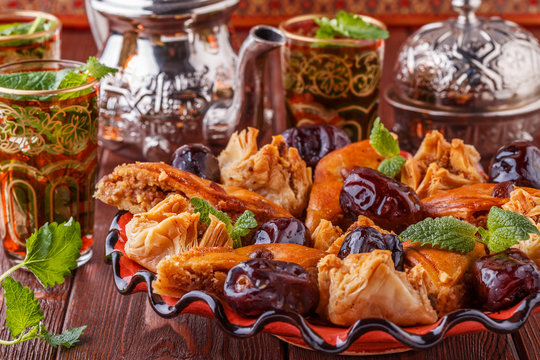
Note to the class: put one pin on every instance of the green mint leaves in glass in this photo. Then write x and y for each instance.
(48, 148)
(29, 35)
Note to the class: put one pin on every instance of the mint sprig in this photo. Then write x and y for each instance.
(22, 308)
(350, 26)
(504, 229)
(52, 252)
(392, 166)
(445, 232)
(204, 208)
(54, 80)
(386, 145)
(241, 228)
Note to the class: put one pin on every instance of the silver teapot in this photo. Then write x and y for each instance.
(180, 81)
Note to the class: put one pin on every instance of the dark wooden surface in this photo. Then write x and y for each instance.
(125, 327)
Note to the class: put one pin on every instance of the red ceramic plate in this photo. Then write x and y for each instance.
(367, 336)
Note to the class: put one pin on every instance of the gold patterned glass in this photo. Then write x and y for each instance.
(334, 81)
(38, 45)
(48, 158)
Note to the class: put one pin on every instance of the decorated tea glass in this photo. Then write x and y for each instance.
(48, 157)
(29, 35)
(334, 81)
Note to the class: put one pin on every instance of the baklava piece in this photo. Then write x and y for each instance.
(139, 187)
(439, 165)
(170, 228)
(468, 203)
(527, 204)
(446, 274)
(206, 268)
(275, 171)
(367, 286)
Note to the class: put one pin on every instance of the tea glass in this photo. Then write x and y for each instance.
(334, 81)
(48, 158)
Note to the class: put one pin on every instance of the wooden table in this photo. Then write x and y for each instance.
(125, 327)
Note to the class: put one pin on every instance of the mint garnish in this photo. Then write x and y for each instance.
(348, 25)
(52, 252)
(392, 166)
(243, 224)
(386, 145)
(242, 227)
(504, 229)
(54, 80)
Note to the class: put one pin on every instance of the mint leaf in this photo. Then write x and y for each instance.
(348, 25)
(66, 339)
(72, 80)
(242, 227)
(22, 308)
(243, 224)
(445, 232)
(204, 208)
(392, 165)
(52, 252)
(53, 80)
(382, 140)
(38, 25)
(34, 80)
(96, 69)
(507, 228)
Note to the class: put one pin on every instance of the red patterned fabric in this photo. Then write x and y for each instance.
(251, 12)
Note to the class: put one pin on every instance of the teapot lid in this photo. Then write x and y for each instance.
(469, 63)
(142, 8)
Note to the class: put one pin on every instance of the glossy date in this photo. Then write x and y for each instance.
(259, 285)
(503, 279)
(365, 239)
(389, 203)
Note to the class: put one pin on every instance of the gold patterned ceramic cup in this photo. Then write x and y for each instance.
(48, 157)
(40, 40)
(334, 81)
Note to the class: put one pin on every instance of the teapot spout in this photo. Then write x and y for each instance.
(248, 104)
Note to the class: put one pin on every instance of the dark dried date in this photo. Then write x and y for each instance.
(389, 203)
(518, 162)
(365, 239)
(259, 285)
(503, 279)
(197, 159)
(503, 190)
(283, 230)
(314, 141)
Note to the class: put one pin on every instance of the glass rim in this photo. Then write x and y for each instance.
(310, 39)
(4, 90)
(30, 14)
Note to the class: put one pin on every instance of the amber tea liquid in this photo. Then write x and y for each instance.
(48, 164)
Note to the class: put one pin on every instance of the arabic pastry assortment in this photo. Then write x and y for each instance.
(330, 242)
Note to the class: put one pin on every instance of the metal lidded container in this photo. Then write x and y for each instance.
(470, 77)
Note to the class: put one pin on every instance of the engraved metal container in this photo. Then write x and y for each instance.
(176, 59)
(470, 77)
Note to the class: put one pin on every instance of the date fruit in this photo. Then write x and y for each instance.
(197, 159)
(314, 141)
(365, 239)
(259, 285)
(503, 190)
(503, 279)
(389, 203)
(283, 230)
(518, 162)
